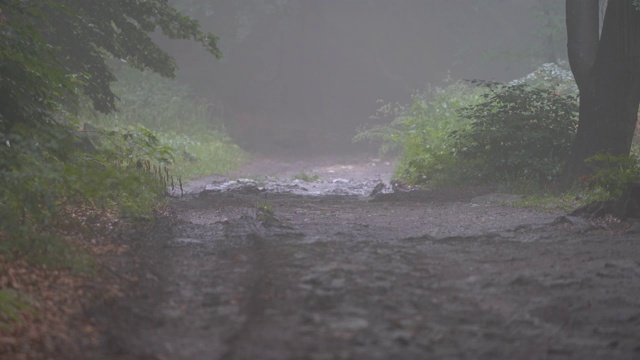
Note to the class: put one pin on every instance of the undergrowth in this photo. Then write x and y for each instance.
(120, 170)
(191, 127)
(612, 175)
(514, 136)
(12, 305)
(419, 132)
(549, 201)
(517, 132)
(117, 165)
(471, 133)
(303, 176)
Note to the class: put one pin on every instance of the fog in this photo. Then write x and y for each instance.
(305, 75)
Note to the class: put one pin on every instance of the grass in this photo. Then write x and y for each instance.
(51, 250)
(203, 155)
(192, 127)
(420, 131)
(561, 202)
(265, 211)
(306, 177)
(12, 304)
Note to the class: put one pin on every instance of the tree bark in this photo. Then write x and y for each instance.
(609, 82)
(582, 40)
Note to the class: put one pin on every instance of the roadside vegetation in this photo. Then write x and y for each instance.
(58, 209)
(516, 135)
(303, 176)
(190, 130)
(83, 157)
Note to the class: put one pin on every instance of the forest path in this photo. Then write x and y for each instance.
(287, 269)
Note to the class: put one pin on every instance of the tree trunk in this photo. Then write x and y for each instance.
(582, 40)
(609, 85)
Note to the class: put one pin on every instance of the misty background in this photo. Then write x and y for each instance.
(307, 74)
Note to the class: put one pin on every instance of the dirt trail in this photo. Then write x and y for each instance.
(248, 272)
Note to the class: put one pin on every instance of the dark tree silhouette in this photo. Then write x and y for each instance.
(606, 68)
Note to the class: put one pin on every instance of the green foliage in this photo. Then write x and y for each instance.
(158, 103)
(12, 304)
(518, 131)
(129, 171)
(38, 174)
(124, 170)
(52, 251)
(191, 127)
(52, 55)
(30, 177)
(32, 78)
(420, 131)
(51, 52)
(206, 154)
(306, 177)
(567, 201)
(83, 32)
(556, 76)
(135, 144)
(612, 174)
(265, 212)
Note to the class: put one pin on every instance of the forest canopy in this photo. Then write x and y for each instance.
(54, 54)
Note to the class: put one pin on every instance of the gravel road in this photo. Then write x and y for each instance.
(276, 268)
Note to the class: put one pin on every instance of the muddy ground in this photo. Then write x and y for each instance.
(266, 268)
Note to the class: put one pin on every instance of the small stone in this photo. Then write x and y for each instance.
(377, 189)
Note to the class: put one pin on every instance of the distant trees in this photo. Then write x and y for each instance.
(606, 68)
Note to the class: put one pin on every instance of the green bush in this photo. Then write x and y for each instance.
(12, 304)
(462, 134)
(40, 170)
(192, 127)
(42, 174)
(129, 170)
(612, 174)
(202, 155)
(551, 75)
(420, 132)
(518, 131)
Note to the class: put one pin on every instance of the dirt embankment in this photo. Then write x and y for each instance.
(288, 269)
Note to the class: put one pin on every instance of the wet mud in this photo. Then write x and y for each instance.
(281, 268)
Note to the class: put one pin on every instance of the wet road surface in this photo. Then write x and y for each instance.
(288, 269)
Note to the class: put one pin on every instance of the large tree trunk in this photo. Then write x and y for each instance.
(609, 84)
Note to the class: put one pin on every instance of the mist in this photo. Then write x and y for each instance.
(319, 179)
(305, 75)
